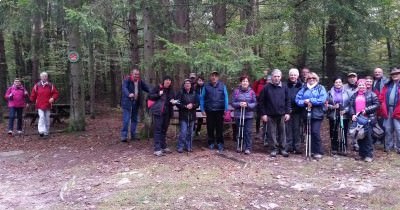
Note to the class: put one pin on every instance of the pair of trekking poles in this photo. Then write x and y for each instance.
(240, 137)
(342, 149)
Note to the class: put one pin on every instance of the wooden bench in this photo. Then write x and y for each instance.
(58, 111)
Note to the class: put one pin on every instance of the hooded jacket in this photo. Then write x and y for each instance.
(15, 96)
(186, 98)
(244, 95)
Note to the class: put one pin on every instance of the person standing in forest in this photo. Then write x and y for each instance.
(162, 110)
(199, 90)
(132, 89)
(44, 94)
(15, 96)
(257, 87)
(213, 103)
(379, 81)
(351, 87)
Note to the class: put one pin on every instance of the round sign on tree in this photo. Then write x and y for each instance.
(73, 56)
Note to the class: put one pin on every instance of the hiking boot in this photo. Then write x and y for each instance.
(124, 140)
(41, 134)
(158, 153)
(334, 152)
(247, 152)
(368, 159)
(273, 153)
(211, 146)
(166, 151)
(179, 150)
(220, 148)
(317, 156)
(19, 132)
(284, 153)
(10, 132)
(238, 150)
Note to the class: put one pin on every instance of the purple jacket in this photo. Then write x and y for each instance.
(246, 95)
(16, 96)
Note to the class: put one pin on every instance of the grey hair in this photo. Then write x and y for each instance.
(294, 71)
(276, 71)
(43, 74)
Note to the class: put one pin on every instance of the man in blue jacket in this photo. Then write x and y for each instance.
(213, 103)
(132, 89)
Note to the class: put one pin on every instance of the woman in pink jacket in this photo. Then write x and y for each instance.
(15, 96)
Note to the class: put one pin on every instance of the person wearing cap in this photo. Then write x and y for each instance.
(351, 87)
(257, 87)
(162, 110)
(188, 103)
(365, 103)
(15, 96)
(192, 77)
(390, 110)
(213, 104)
(132, 89)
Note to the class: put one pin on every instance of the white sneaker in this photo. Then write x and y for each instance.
(19, 132)
(158, 153)
(10, 132)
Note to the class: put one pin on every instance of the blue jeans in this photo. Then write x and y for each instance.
(15, 111)
(247, 127)
(129, 115)
(185, 135)
(391, 127)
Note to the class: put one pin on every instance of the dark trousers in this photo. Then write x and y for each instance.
(293, 137)
(199, 122)
(380, 123)
(276, 132)
(15, 111)
(161, 123)
(334, 133)
(365, 145)
(247, 127)
(258, 119)
(215, 123)
(316, 145)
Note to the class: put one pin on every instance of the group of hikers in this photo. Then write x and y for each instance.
(365, 111)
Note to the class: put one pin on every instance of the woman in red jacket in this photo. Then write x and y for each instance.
(44, 94)
(15, 96)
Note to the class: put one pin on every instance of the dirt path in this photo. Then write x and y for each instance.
(93, 170)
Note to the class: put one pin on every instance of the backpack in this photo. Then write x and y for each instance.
(39, 83)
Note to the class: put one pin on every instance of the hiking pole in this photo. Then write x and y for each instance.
(308, 134)
(239, 130)
(265, 134)
(242, 138)
(342, 143)
(187, 132)
(333, 142)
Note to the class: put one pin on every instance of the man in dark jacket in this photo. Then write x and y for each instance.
(132, 89)
(188, 103)
(293, 125)
(213, 102)
(275, 111)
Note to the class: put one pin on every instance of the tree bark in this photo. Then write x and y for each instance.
(148, 50)
(331, 39)
(37, 33)
(19, 60)
(133, 32)
(77, 113)
(92, 76)
(219, 18)
(181, 36)
(3, 73)
(301, 24)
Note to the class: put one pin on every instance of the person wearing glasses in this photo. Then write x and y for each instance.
(313, 96)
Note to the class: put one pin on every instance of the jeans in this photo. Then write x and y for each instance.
(365, 145)
(15, 111)
(316, 145)
(161, 123)
(185, 135)
(277, 133)
(391, 127)
(334, 133)
(129, 116)
(247, 127)
(215, 124)
(44, 121)
(293, 137)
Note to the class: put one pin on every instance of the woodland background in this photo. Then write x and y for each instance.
(176, 37)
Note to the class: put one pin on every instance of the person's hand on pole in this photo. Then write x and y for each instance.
(264, 118)
(287, 117)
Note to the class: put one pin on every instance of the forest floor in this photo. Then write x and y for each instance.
(93, 170)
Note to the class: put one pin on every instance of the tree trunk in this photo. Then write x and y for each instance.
(248, 15)
(77, 113)
(181, 36)
(133, 32)
(19, 60)
(37, 32)
(92, 76)
(389, 51)
(301, 24)
(148, 50)
(3, 73)
(331, 48)
(219, 18)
